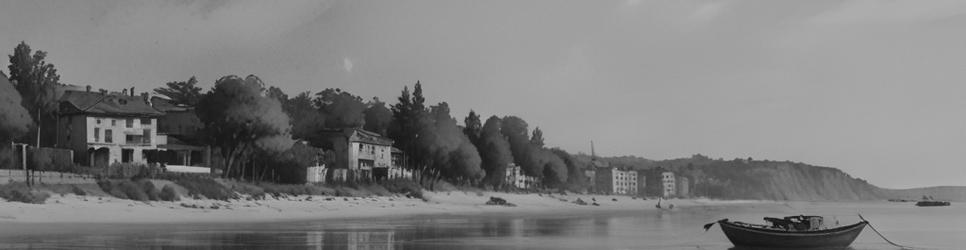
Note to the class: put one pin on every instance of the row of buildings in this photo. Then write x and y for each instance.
(104, 128)
(605, 179)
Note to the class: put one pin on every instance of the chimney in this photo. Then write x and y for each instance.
(132, 90)
(144, 95)
(88, 88)
(124, 92)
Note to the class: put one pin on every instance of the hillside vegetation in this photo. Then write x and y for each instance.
(756, 179)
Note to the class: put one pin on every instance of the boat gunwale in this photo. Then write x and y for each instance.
(831, 231)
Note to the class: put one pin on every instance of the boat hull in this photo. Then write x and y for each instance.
(932, 203)
(744, 236)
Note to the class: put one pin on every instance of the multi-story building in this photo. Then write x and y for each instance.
(103, 128)
(617, 181)
(683, 187)
(518, 179)
(359, 152)
(590, 177)
(177, 132)
(667, 179)
(641, 182)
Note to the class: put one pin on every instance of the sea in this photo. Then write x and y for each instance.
(677, 228)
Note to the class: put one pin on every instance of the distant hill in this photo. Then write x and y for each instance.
(755, 179)
(947, 193)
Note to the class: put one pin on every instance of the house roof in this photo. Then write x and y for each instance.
(83, 102)
(361, 135)
(165, 105)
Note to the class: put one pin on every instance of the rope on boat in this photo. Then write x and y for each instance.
(883, 237)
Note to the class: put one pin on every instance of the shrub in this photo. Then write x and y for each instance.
(124, 189)
(405, 187)
(150, 190)
(19, 192)
(77, 190)
(169, 194)
(132, 190)
(203, 186)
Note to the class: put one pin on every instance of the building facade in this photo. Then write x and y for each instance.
(641, 182)
(515, 177)
(683, 187)
(668, 181)
(177, 131)
(610, 180)
(361, 153)
(105, 128)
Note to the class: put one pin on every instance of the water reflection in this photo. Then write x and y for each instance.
(679, 229)
(350, 240)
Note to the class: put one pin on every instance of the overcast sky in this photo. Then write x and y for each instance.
(876, 88)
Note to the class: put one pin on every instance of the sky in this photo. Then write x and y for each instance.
(875, 88)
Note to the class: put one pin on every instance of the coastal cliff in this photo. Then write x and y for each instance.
(758, 179)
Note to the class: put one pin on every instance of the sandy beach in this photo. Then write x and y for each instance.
(71, 208)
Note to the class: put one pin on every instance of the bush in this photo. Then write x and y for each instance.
(132, 190)
(19, 192)
(404, 187)
(150, 190)
(169, 194)
(77, 190)
(126, 189)
(198, 185)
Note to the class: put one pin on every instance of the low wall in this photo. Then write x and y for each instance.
(45, 177)
(187, 169)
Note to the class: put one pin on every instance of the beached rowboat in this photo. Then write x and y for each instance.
(790, 232)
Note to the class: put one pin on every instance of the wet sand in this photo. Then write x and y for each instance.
(70, 208)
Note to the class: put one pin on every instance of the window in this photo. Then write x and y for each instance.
(113, 122)
(130, 123)
(97, 134)
(147, 136)
(108, 136)
(98, 121)
(145, 121)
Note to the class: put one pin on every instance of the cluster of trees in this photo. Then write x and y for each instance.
(253, 127)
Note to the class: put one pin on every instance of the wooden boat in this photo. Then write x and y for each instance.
(790, 232)
(932, 203)
(928, 201)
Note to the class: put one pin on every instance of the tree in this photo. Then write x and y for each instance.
(306, 119)
(537, 138)
(341, 108)
(237, 118)
(473, 127)
(495, 152)
(378, 117)
(449, 153)
(14, 119)
(181, 93)
(405, 126)
(36, 80)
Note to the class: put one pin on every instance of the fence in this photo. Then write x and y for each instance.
(40, 159)
(45, 177)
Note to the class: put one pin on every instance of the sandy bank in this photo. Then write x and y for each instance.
(99, 209)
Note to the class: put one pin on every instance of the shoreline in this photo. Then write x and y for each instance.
(71, 208)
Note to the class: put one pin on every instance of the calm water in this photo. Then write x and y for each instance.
(933, 228)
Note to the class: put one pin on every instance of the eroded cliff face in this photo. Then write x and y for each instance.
(770, 180)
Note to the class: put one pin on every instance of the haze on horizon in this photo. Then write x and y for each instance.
(874, 88)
